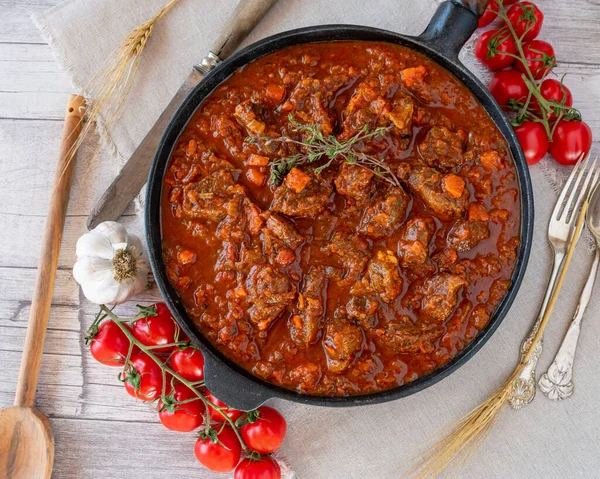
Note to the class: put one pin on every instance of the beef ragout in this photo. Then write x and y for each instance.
(335, 277)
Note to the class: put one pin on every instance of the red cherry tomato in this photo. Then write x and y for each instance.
(540, 58)
(181, 417)
(110, 345)
(491, 12)
(508, 84)
(216, 415)
(264, 468)
(143, 380)
(534, 141)
(526, 19)
(265, 434)
(220, 456)
(492, 48)
(189, 364)
(571, 139)
(553, 90)
(157, 330)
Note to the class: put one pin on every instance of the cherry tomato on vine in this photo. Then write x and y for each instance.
(534, 141)
(218, 452)
(263, 468)
(157, 330)
(491, 12)
(265, 433)
(181, 417)
(189, 364)
(570, 140)
(492, 48)
(508, 84)
(216, 415)
(540, 58)
(110, 345)
(525, 17)
(553, 90)
(143, 379)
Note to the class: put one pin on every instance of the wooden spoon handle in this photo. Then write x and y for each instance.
(46, 273)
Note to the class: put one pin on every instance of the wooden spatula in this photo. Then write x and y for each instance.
(26, 440)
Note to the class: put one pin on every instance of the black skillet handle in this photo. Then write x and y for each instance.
(234, 389)
(452, 25)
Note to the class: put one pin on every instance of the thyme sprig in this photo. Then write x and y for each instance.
(315, 147)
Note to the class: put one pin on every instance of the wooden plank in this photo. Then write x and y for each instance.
(28, 151)
(15, 314)
(165, 453)
(16, 284)
(31, 83)
(16, 25)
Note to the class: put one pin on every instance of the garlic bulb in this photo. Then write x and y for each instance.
(111, 264)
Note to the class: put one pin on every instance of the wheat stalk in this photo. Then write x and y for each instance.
(461, 439)
(109, 87)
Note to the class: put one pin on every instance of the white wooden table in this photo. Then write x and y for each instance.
(100, 431)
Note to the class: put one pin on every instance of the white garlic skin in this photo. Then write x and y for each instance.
(96, 271)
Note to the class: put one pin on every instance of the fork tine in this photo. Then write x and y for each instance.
(577, 170)
(584, 192)
(576, 196)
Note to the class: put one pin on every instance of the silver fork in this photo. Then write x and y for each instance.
(560, 234)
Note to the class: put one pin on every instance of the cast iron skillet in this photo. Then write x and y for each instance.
(451, 26)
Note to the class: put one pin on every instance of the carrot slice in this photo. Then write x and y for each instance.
(257, 160)
(256, 177)
(275, 92)
(454, 185)
(297, 180)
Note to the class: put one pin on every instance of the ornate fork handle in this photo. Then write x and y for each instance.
(557, 383)
(523, 387)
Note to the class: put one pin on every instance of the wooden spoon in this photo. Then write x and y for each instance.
(26, 440)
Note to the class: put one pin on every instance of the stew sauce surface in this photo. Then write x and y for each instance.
(338, 282)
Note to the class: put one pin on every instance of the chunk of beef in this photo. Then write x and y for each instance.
(384, 277)
(342, 341)
(366, 108)
(230, 132)
(402, 336)
(304, 324)
(248, 116)
(414, 79)
(385, 214)
(439, 295)
(465, 234)
(355, 182)
(309, 103)
(307, 203)
(370, 107)
(280, 239)
(413, 247)
(209, 199)
(427, 183)
(352, 253)
(442, 148)
(401, 116)
(284, 230)
(269, 292)
(362, 309)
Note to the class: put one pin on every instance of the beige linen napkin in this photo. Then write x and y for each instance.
(371, 441)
